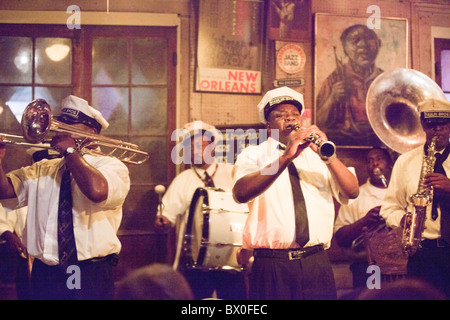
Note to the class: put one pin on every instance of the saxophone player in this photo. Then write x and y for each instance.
(431, 262)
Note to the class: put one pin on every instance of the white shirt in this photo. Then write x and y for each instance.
(178, 196)
(177, 199)
(404, 183)
(95, 224)
(369, 197)
(12, 220)
(271, 221)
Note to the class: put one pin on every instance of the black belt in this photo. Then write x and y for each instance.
(288, 254)
(435, 243)
(112, 259)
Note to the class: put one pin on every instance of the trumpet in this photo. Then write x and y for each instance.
(327, 149)
(37, 122)
(367, 234)
(381, 176)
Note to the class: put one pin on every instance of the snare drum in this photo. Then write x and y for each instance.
(214, 230)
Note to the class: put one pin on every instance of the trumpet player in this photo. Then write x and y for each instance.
(364, 212)
(431, 262)
(74, 211)
(290, 261)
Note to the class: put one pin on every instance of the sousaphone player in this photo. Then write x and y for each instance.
(431, 262)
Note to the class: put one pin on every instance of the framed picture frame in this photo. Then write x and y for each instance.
(289, 20)
(229, 46)
(349, 55)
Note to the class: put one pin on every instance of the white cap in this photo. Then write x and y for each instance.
(200, 127)
(276, 96)
(434, 110)
(77, 110)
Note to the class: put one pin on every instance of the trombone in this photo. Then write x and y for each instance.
(37, 122)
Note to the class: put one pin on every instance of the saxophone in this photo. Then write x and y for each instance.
(415, 222)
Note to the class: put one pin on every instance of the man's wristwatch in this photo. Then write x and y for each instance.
(68, 151)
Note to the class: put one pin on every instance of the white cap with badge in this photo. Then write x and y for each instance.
(274, 97)
(77, 110)
(434, 110)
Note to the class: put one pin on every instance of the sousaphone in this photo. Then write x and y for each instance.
(391, 106)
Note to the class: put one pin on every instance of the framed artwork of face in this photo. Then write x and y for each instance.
(349, 56)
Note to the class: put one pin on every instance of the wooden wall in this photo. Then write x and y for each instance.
(233, 109)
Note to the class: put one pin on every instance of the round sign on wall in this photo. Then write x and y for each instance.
(291, 58)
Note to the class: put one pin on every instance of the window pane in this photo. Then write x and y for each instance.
(53, 96)
(149, 112)
(149, 61)
(15, 60)
(53, 61)
(445, 67)
(109, 61)
(16, 100)
(113, 104)
(155, 169)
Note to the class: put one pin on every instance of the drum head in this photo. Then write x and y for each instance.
(213, 230)
(196, 228)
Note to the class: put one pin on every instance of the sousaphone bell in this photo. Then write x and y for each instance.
(391, 106)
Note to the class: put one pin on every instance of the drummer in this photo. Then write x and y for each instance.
(204, 172)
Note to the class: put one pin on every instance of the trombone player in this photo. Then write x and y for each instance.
(74, 211)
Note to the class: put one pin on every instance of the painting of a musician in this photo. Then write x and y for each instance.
(341, 100)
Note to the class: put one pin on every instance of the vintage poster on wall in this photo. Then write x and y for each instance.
(229, 50)
(290, 64)
(290, 68)
(289, 20)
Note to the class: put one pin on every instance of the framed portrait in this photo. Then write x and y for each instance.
(230, 46)
(349, 54)
(289, 20)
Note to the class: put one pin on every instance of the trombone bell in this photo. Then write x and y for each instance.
(36, 121)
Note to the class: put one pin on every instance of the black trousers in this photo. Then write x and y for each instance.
(277, 278)
(431, 264)
(92, 281)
